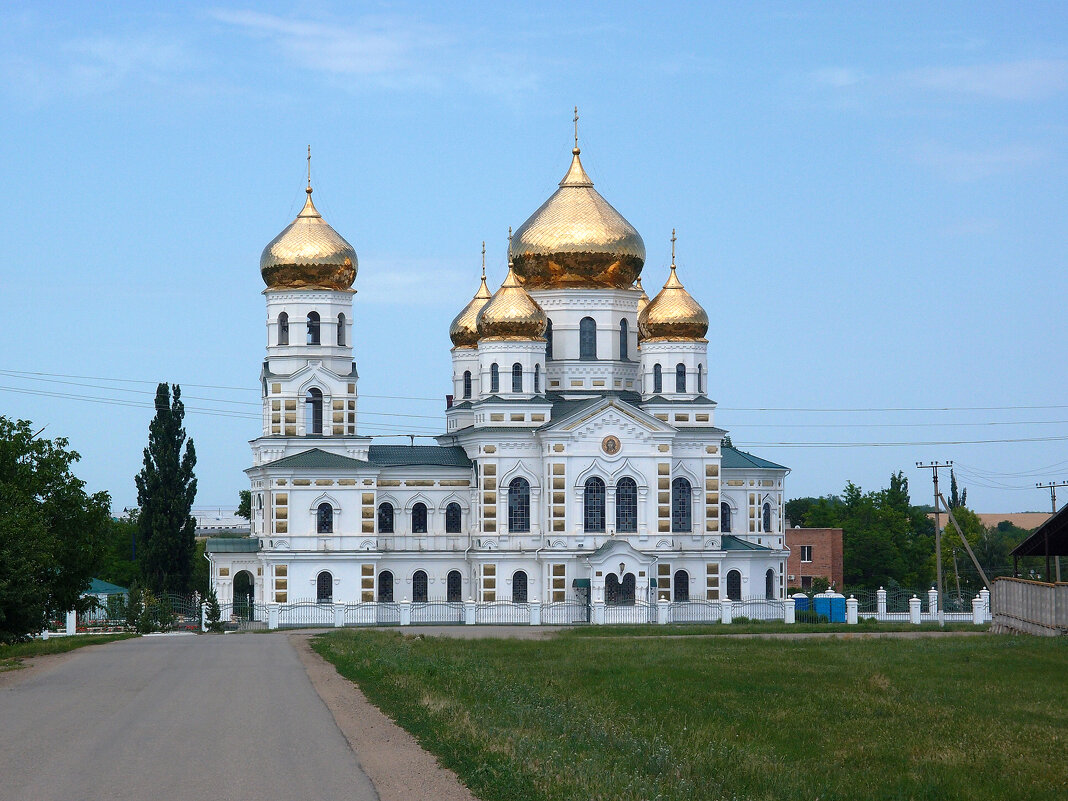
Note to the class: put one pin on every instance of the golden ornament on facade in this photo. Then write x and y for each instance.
(673, 314)
(308, 254)
(576, 239)
(511, 313)
(464, 329)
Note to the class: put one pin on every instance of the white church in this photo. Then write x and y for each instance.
(579, 462)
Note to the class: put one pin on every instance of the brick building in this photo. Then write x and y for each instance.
(814, 552)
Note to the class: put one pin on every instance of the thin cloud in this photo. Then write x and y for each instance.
(959, 164)
(1033, 79)
(837, 77)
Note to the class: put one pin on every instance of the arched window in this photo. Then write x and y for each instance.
(385, 586)
(419, 518)
(324, 519)
(467, 384)
(454, 587)
(419, 589)
(626, 505)
(587, 338)
(385, 518)
(700, 379)
(681, 500)
(619, 593)
(769, 585)
(519, 587)
(724, 518)
(681, 585)
(517, 377)
(537, 379)
(495, 378)
(593, 504)
(314, 410)
(341, 330)
(658, 379)
(283, 329)
(313, 328)
(519, 505)
(324, 588)
(767, 518)
(623, 343)
(734, 585)
(548, 339)
(453, 518)
(680, 377)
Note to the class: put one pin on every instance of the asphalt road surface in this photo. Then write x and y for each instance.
(175, 719)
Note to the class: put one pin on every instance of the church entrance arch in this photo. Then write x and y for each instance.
(244, 594)
(619, 593)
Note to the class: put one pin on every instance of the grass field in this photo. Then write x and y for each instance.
(602, 717)
(11, 655)
(765, 627)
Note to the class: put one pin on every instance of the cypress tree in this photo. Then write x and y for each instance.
(166, 488)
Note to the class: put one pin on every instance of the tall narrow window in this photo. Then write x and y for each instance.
(680, 377)
(767, 518)
(385, 518)
(658, 379)
(419, 589)
(593, 505)
(385, 586)
(587, 338)
(454, 587)
(283, 329)
(517, 377)
(324, 588)
(519, 587)
(680, 506)
(623, 344)
(700, 379)
(548, 339)
(769, 585)
(495, 378)
(313, 328)
(734, 585)
(453, 518)
(681, 585)
(314, 403)
(341, 330)
(467, 384)
(626, 505)
(519, 505)
(324, 519)
(419, 518)
(725, 518)
(537, 379)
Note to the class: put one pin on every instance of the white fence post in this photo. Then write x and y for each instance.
(598, 613)
(272, 616)
(727, 611)
(72, 622)
(339, 615)
(203, 617)
(985, 593)
(978, 612)
(914, 610)
(405, 613)
(535, 612)
(663, 611)
(880, 604)
(932, 605)
(789, 612)
(470, 612)
(852, 604)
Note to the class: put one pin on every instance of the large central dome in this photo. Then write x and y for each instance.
(576, 239)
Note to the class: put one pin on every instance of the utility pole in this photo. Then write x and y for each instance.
(933, 467)
(1052, 487)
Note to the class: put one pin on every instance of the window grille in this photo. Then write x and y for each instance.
(658, 379)
(593, 506)
(313, 328)
(467, 383)
(517, 377)
(454, 587)
(419, 587)
(419, 518)
(385, 518)
(453, 518)
(623, 343)
(734, 585)
(682, 585)
(767, 518)
(519, 505)
(283, 329)
(681, 501)
(385, 587)
(725, 518)
(626, 505)
(341, 330)
(495, 378)
(587, 338)
(314, 401)
(519, 587)
(537, 379)
(680, 377)
(324, 588)
(324, 519)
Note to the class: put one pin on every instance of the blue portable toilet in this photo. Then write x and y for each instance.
(801, 602)
(831, 605)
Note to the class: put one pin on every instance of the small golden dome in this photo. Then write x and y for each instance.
(308, 254)
(464, 329)
(576, 239)
(673, 314)
(643, 299)
(511, 313)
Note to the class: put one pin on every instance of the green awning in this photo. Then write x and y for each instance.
(581, 583)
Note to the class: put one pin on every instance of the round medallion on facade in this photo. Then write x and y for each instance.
(308, 254)
(611, 445)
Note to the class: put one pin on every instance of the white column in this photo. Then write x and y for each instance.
(72, 622)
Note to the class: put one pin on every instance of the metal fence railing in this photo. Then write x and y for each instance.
(503, 613)
(695, 611)
(438, 612)
(565, 613)
(759, 609)
(635, 613)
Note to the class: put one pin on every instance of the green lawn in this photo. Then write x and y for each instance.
(585, 717)
(764, 627)
(11, 655)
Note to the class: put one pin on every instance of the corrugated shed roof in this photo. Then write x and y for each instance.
(424, 455)
(316, 458)
(734, 458)
(732, 543)
(232, 545)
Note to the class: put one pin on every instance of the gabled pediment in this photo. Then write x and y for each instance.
(607, 412)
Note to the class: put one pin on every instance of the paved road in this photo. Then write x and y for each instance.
(175, 718)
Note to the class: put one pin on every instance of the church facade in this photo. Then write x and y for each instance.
(579, 462)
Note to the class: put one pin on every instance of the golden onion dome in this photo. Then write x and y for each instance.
(643, 299)
(576, 239)
(308, 254)
(511, 313)
(673, 314)
(464, 329)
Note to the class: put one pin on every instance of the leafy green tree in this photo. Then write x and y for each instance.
(956, 499)
(119, 565)
(214, 614)
(51, 531)
(244, 506)
(166, 488)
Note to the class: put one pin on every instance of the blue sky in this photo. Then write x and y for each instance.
(870, 202)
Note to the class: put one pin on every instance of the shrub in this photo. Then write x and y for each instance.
(213, 612)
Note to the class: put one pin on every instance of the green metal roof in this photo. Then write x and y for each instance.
(739, 460)
(423, 455)
(316, 458)
(732, 543)
(232, 545)
(101, 587)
